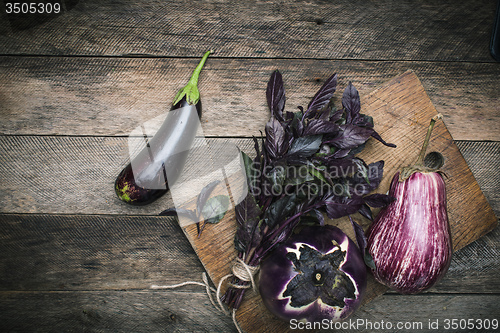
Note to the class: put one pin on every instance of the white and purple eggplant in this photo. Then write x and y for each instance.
(410, 240)
(151, 173)
(317, 274)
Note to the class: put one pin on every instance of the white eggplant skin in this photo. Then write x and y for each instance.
(410, 239)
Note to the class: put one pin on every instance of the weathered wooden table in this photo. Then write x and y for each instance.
(74, 84)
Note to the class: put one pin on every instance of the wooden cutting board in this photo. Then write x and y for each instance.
(401, 111)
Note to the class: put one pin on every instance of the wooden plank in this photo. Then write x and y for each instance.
(72, 175)
(418, 30)
(109, 97)
(86, 252)
(397, 308)
(402, 111)
(120, 311)
(174, 311)
(482, 157)
(75, 175)
(91, 252)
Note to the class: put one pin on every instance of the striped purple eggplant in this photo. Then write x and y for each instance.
(410, 239)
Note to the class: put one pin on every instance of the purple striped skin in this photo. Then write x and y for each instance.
(410, 239)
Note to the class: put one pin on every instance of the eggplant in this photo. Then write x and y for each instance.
(410, 239)
(317, 274)
(150, 174)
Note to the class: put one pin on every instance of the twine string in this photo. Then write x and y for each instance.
(240, 270)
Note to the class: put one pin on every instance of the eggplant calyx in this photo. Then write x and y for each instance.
(190, 91)
(319, 277)
(122, 193)
(419, 165)
(406, 172)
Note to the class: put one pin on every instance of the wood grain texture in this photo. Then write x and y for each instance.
(119, 311)
(478, 154)
(73, 258)
(403, 30)
(86, 252)
(402, 111)
(98, 252)
(147, 311)
(111, 96)
(75, 175)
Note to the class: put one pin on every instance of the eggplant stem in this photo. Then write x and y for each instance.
(197, 70)
(421, 156)
(190, 91)
(419, 165)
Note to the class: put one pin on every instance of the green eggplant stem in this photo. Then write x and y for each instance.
(419, 165)
(421, 156)
(190, 91)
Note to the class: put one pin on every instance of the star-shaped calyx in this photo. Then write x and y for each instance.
(319, 277)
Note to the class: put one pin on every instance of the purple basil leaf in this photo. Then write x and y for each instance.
(204, 195)
(336, 115)
(319, 216)
(351, 136)
(337, 207)
(369, 260)
(360, 235)
(343, 167)
(239, 244)
(248, 166)
(324, 94)
(340, 153)
(375, 173)
(256, 146)
(325, 113)
(320, 126)
(276, 95)
(362, 243)
(299, 128)
(296, 159)
(279, 210)
(378, 200)
(248, 236)
(366, 179)
(247, 211)
(363, 120)
(275, 136)
(357, 150)
(277, 176)
(379, 138)
(366, 212)
(305, 146)
(190, 214)
(215, 208)
(351, 102)
(247, 216)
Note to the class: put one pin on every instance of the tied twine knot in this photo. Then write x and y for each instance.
(239, 269)
(244, 273)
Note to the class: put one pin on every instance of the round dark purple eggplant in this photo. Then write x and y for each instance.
(317, 274)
